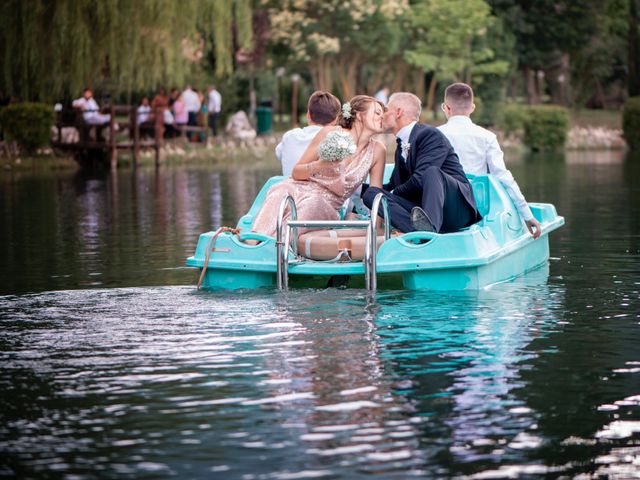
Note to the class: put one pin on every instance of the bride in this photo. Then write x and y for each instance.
(325, 177)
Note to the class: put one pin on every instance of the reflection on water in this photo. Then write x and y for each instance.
(332, 382)
(537, 377)
(88, 230)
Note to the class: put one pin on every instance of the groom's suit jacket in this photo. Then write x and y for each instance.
(428, 147)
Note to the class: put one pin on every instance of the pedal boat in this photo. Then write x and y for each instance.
(499, 248)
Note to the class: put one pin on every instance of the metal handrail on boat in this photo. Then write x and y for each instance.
(284, 237)
(282, 245)
(371, 245)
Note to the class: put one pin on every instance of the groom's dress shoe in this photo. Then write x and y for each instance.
(421, 220)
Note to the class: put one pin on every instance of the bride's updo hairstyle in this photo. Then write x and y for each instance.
(358, 104)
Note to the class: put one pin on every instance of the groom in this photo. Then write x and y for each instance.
(428, 189)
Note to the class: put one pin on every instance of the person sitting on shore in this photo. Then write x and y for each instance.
(478, 148)
(144, 111)
(90, 109)
(322, 110)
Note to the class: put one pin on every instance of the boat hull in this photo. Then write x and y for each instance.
(497, 249)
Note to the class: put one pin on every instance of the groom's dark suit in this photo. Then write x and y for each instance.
(431, 178)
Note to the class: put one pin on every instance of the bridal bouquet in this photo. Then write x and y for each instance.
(336, 146)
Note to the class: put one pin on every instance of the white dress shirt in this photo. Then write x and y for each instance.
(191, 100)
(403, 134)
(91, 111)
(215, 101)
(293, 145)
(480, 154)
(144, 112)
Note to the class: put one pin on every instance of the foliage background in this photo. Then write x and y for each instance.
(577, 53)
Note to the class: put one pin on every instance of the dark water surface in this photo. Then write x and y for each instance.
(113, 366)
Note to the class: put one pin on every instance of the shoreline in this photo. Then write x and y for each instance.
(579, 138)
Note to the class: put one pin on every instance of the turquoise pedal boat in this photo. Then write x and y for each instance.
(499, 248)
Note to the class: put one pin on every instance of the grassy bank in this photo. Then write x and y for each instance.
(589, 129)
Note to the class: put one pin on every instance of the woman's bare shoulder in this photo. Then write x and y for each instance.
(379, 145)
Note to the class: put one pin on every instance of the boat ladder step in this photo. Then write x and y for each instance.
(287, 237)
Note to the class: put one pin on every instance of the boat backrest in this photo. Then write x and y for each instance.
(480, 184)
(388, 169)
(246, 220)
(481, 192)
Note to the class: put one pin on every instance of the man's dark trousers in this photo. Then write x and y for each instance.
(429, 175)
(441, 199)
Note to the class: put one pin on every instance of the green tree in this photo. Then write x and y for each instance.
(633, 43)
(335, 40)
(446, 41)
(548, 34)
(600, 64)
(51, 48)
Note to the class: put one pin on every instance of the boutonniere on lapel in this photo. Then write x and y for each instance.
(405, 149)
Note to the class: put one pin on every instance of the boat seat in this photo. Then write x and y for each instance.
(481, 188)
(336, 245)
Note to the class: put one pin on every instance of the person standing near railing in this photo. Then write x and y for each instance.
(215, 105)
(192, 104)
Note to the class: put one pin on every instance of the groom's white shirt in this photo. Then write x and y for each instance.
(403, 134)
(293, 145)
(480, 153)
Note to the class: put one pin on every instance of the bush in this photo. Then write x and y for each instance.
(512, 118)
(631, 122)
(546, 127)
(29, 124)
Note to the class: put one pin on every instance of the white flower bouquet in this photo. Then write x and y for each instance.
(336, 146)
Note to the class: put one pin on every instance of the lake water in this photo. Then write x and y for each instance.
(114, 366)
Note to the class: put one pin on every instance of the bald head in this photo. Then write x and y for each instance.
(408, 102)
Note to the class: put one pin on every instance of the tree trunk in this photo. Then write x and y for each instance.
(418, 76)
(602, 101)
(399, 80)
(432, 93)
(558, 77)
(320, 71)
(375, 81)
(531, 85)
(513, 88)
(634, 49)
(346, 70)
(252, 95)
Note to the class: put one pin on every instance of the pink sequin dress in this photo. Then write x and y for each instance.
(320, 197)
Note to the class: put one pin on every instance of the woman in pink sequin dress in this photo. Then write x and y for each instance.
(320, 187)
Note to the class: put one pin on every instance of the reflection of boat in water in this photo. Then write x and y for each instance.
(496, 249)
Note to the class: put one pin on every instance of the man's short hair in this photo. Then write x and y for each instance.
(459, 96)
(323, 107)
(409, 102)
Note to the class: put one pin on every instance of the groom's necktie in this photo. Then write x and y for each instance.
(399, 147)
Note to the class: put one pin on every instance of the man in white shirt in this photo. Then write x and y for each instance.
(322, 110)
(90, 109)
(478, 148)
(192, 106)
(214, 106)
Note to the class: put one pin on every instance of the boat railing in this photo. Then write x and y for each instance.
(282, 244)
(288, 231)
